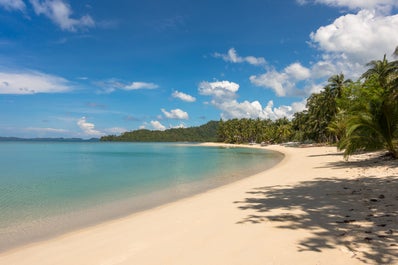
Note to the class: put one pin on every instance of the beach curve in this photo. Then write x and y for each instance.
(279, 216)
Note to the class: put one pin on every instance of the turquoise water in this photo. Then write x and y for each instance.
(47, 188)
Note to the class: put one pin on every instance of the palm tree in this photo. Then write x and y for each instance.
(338, 126)
(377, 123)
(382, 70)
(337, 83)
(394, 81)
(372, 129)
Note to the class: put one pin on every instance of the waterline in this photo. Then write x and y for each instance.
(50, 188)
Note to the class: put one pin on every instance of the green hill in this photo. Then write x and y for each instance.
(203, 133)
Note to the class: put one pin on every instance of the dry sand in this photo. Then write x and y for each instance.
(311, 208)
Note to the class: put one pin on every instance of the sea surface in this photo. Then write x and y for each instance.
(48, 188)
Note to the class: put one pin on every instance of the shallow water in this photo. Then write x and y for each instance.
(48, 188)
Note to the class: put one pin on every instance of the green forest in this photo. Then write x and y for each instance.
(204, 133)
(355, 115)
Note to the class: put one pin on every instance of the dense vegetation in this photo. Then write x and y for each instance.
(204, 133)
(249, 131)
(354, 115)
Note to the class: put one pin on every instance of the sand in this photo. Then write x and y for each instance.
(311, 208)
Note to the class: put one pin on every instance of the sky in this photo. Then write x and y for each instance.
(90, 68)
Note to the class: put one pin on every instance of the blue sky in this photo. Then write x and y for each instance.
(91, 68)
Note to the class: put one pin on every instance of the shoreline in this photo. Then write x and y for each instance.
(292, 213)
(58, 225)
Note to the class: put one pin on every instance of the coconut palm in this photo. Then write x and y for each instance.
(336, 84)
(372, 129)
(383, 70)
(376, 124)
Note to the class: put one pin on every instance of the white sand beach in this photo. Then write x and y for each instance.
(312, 208)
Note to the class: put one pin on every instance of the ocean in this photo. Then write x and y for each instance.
(48, 188)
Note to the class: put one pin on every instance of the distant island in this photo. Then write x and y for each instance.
(204, 133)
(18, 139)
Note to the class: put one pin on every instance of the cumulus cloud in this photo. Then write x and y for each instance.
(61, 14)
(297, 71)
(283, 83)
(279, 82)
(11, 5)
(32, 83)
(156, 125)
(233, 109)
(358, 37)
(224, 98)
(284, 110)
(218, 89)
(88, 128)
(177, 114)
(183, 96)
(233, 57)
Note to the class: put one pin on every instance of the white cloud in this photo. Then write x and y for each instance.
(176, 114)
(297, 71)
(233, 57)
(60, 13)
(283, 83)
(284, 110)
(224, 98)
(358, 37)
(88, 128)
(13, 5)
(219, 89)
(183, 96)
(233, 109)
(139, 85)
(279, 82)
(156, 125)
(111, 85)
(32, 83)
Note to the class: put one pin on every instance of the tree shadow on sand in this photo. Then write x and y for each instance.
(359, 213)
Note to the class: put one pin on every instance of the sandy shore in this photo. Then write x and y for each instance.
(311, 208)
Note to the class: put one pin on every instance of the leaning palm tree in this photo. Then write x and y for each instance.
(372, 129)
(376, 124)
